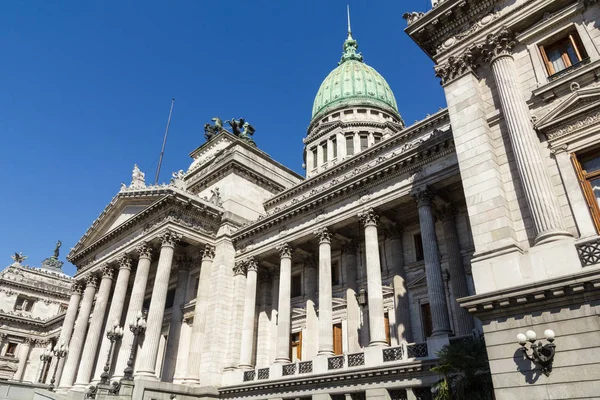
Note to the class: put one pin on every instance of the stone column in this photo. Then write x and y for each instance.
(433, 267)
(284, 305)
(458, 278)
(274, 315)
(136, 301)
(81, 325)
(310, 344)
(374, 286)
(93, 338)
(156, 310)
(540, 196)
(249, 315)
(325, 293)
(237, 315)
(183, 352)
(182, 264)
(67, 327)
(114, 313)
(352, 306)
(200, 310)
(23, 357)
(401, 303)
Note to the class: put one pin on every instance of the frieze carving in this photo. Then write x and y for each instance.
(169, 238)
(323, 235)
(469, 30)
(369, 217)
(285, 251)
(575, 126)
(144, 250)
(423, 197)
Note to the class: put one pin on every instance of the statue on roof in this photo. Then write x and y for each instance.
(247, 133)
(56, 249)
(138, 178)
(18, 258)
(235, 125)
(210, 130)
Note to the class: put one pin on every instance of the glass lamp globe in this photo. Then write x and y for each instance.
(522, 339)
(531, 336)
(549, 334)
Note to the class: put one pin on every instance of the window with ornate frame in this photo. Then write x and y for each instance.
(587, 167)
(24, 303)
(11, 349)
(563, 52)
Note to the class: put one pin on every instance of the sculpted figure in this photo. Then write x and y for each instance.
(18, 258)
(235, 125)
(138, 178)
(56, 249)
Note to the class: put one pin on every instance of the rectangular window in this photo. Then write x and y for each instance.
(587, 166)
(377, 138)
(334, 148)
(337, 339)
(364, 142)
(314, 160)
(296, 285)
(386, 324)
(418, 247)
(296, 346)
(426, 320)
(335, 273)
(324, 147)
(563, 53)
(11, 349)
(24, 303)
(349, 144)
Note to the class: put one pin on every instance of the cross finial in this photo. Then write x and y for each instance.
(349, 29)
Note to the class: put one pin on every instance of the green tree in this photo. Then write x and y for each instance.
(466, 371)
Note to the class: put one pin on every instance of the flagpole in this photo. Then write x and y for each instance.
(162, 151)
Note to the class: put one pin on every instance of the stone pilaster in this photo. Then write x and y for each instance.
(284, 311)
(156, 311)
(433, 266)
(239, 297)
(182, 264)
(246, 351)
(67, 327)
(349, 264)
(93, 338)
(374, 286)
(325, 293)
(136, 301)
(541, 199)
(78, 337)
(24, 348)
(200, 310)
(114, 313)
(458, 278)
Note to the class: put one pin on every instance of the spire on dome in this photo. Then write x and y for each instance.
(350, 45)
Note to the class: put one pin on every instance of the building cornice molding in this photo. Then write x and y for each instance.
(325, 128)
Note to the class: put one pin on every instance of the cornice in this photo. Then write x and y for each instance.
(49, 292)
(28, 320)
(436, 119)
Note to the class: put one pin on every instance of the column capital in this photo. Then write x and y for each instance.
(124, 262)
(423, 197)
(208, 253)
(349, 247)
(323, 235)
(108, 271)
(252, 264)
(144, 250)
(91, 280)
(369, 217)
(29, 341)
(498, 44)
(285, 251)
(169, 238)
(239, 268)
(77, 287)
(458, 66)
(558, 149)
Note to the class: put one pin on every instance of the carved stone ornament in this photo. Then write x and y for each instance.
(208, 253)
(144, 250)
(77, 287)
(412, 17)
(498, 45)
(124, 262)
(423, 197)
(29, 341)
(349, 247)
(369, 217)
(168, 238)
(108, 271)
(285, 251)
(239, 268)
(323, 235)
(91, 280)
(457, 66)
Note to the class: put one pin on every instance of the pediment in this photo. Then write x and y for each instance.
(580, 110)
(418, 281)
(6, 367)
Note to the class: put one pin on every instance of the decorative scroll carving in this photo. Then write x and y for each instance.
(144, 250)
(208, 253)
(498, 45)
(252, 264)
(108, 271)
(77, 287)
(91, 280)
(323, 235)
(423, 197)
(369, 217)
(285, 251)
(124, 262)
(239, 268)
(169, 238)
(457, 66)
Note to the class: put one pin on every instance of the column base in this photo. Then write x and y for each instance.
(325, 353)
(551, 236)
(191, 382)
(282, 361)
(246, 366)
(378, 343)
(145, 376)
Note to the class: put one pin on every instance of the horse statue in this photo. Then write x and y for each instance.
(235, 125)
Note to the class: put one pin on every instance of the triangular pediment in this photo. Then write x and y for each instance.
(418, 281)
(6, 367)
(578, 106)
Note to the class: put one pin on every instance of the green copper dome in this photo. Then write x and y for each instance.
(353, 83)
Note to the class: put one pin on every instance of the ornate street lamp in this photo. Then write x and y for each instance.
(60, 351)
(46, 358)
(361, 297)
(114, 333)
(137, 327)
(541, 355)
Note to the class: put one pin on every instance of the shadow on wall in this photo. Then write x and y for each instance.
(531, 372)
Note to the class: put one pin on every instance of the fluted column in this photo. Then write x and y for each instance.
(200, 310)
(182, 264)
(458, 278)
(156, 310)
(78, 337)
(325, 293)
(249, 314)
(374, 286)
(67, 327)
(284, 312)
(352, 307)
(310, 345)
(401, 302)
(136, 302)
(114, 313)
(93, 338)
(541, 199)
(183, 351)
(23, 357)
(433, 267)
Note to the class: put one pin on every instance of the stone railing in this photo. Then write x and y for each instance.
(589, 251)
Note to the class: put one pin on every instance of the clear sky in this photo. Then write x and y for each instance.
(86, 89)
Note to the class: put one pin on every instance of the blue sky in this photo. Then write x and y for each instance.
(86, 90)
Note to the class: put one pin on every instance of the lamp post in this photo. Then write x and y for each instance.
(137, 327)
(541, 355)
(114, 333)
(60, 351)
(45, 357)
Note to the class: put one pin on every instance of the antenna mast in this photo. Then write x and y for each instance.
(162, 151)
(349, 29)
